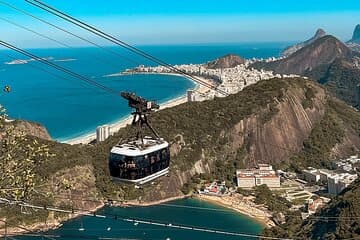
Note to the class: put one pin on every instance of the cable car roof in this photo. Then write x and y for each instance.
(136, 148)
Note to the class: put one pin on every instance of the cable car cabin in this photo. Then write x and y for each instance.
(139, 162)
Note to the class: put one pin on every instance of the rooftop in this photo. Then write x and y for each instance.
(263, 170)
(137, 148)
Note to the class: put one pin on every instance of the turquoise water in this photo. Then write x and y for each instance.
(209, 216)
(70, 108)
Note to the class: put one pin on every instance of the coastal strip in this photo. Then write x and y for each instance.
(115, 127)
(49, 224)
(232, 203)
(243, 207)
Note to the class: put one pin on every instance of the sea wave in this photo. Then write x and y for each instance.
(114, 75)
(17, 62)
(65, 60)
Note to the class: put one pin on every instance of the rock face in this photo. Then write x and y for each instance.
(227, 61)
(354, 43)
(356, 35)
(323, 51)
(291, 49)
(272, 134)
(33, 129)
(264, 139)
(267, 122)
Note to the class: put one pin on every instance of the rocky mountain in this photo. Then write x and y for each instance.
(354, 43)
(32, 129)
(327, 61)
(356, 35)
(340, 77)
(338, 220)
(322, 51)
(227, 61)
(291, 49)
(287, 122)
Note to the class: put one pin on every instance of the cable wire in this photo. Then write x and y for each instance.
(135, 220)
(118, 42)
(36, 67)
(68, 32)
(62, 69)
(32, 31)
(94, 57)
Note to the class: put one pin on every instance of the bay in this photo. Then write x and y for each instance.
(69, 108)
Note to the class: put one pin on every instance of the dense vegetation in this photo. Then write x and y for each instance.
(340, 78)
(201, 130)
(324, 136)
(273, 202)
(317, 149)
(346, 209)
(339, 220)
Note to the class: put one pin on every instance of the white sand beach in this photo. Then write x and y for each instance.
(85, 139)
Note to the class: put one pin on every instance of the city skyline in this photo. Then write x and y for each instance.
(186, 22)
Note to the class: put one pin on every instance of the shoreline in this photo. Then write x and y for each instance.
(247, 210)
(124, 121)
(40, 227)
(244, 209)
(136, 203)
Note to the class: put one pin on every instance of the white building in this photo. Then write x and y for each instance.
(353, 159)
(190, 96)
(338, 182)
(193, 96)
(325, 174)
(311, 175)
(102, 133)
(347, 165)
(264, 174)
(229, 80)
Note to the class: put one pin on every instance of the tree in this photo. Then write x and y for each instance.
(19, 158)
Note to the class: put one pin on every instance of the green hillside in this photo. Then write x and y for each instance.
(340, 78)
(339, 220)
(217, 136)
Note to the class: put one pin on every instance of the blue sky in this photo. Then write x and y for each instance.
(187, 21)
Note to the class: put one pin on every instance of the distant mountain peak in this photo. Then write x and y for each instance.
(356, 34)
(291, 49)
(227, 61)
(322, 51)
(354, 43)
(319, 33)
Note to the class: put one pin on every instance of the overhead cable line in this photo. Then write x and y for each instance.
(119, 42)
(84, 199)
(24, 229)
(135, 221)
(68, 32)
(95, 57)
(62, 69)
(32, 31)
(36, 67)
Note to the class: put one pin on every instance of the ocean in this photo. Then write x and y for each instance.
(187, 212)
(69, 108)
